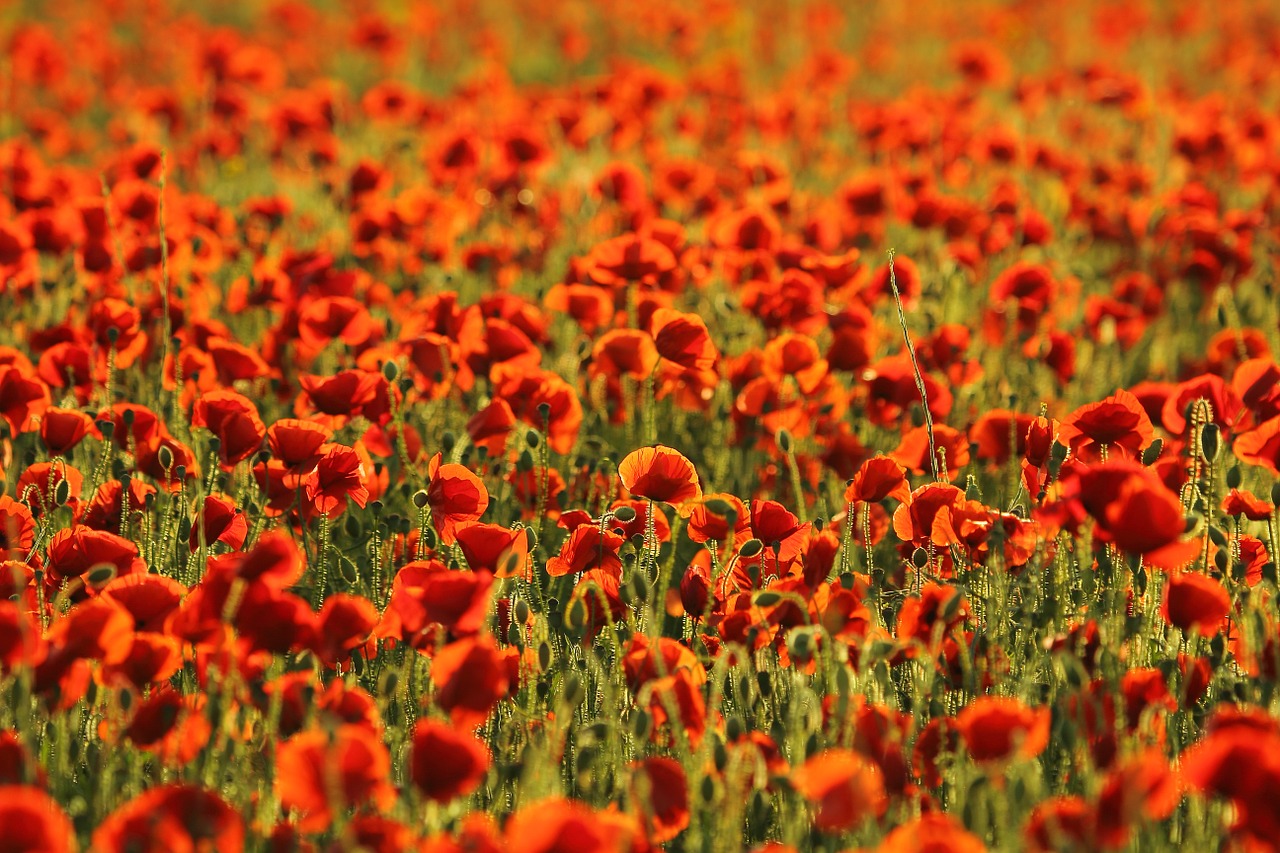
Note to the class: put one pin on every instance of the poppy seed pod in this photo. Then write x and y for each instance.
(1210, 442)
(420, 498)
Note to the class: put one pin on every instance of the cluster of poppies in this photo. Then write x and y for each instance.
(595, 427)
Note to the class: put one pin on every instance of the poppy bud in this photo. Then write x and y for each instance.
(390, 371)
(784, 440)
(751, 548)
(521, 611)
(448, 441)
(1210, 442)
(640, 723)
(733, 728)
(919, 558)
(1217, 536)
(625, 514)
(971, 490)
(720, 507)
(720, 755)
(639, 587)
(768, 598)
(1234, 477)
(544, 656)
(707, 788)
(1057, 454)
(800, 645)
(515, 636)
(1152, 453)
(524, 463)
(765, 684)
(62, 493)
(100, 575)
(1275, 493)
(574, 692)
(532, 439)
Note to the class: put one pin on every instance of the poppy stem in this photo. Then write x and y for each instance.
(915, 367)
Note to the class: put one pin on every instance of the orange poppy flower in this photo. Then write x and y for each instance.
(661, 474)
(844, 788)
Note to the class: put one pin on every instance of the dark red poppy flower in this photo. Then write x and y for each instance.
(220, 520)
(446, 763)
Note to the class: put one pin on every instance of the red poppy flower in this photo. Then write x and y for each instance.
(219, 521)
(31, 820)
(296, 442)
(494, 548)
(470, 677)
(1261, 446)
(63, 429)
(339, 476)
(455, 495)
(320, 774)
(1118, 423)
(588, 549)
(935, 832)
(878, 478)
(661, 474)
(663, 790)
(17, 529)
(427, 597)
(23, 399)
(344, 623)
(624, 352)
(233, 419)
(561, 826)
(171, 817)
(844, 788)
(996, 729)
(446, 763)
(1195, 602)
(683, 339)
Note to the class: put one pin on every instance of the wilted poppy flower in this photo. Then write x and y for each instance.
(1194, 601)
(446, 763)
(996, 729)
(661, 474)
(844, 788)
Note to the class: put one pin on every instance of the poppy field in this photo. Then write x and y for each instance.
(491, 426)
